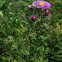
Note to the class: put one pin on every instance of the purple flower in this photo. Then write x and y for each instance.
(30, 7)
(33, 17)
(47, 12)
(41, 4)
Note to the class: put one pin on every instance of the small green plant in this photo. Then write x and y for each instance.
(30, 32)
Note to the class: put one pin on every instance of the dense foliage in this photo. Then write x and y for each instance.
(24, 39)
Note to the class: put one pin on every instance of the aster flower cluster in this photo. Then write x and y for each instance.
(40, 4)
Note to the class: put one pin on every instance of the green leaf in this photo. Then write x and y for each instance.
(45, 38)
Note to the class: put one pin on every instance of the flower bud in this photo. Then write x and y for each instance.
(47, 12)
(20, 3)
(23, 15)
(33, 18)
(12, 2)
(30, 7)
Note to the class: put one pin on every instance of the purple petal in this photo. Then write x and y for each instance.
(34, 3)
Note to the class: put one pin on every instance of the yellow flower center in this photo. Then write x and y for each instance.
(41, 4)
